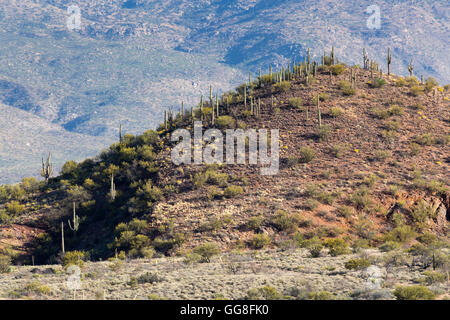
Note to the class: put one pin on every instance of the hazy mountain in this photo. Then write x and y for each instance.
(131, 59)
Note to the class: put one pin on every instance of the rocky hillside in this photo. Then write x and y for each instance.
(130, 59)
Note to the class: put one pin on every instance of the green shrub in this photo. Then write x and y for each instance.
(5, 263)
(5, 218)
(35, 287)
(255, 223)
(336, 112)
(346, 88)
(285, 221)
(233, 191)
(314, 246)
(14, 208)
(337, 247)
(432, 277)
(357, 264)
(377, 83)
(416, 91)
(264, 293)
(296, 103)
(413, 293)
(321, 295)
(74, 258)
(426, 139)
(430, 83)
(225, 122)
(322, 97)
(282, 86)
(400, 82)
(307, 154)
(337, 69)
(259, 241)
(207, 251)
(324, 132)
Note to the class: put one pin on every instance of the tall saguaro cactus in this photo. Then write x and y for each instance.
(389, 60)
(62, 238)
(47, 168)
(410, 69)
(113, 188)
(75, 220)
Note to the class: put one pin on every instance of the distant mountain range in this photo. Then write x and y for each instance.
(131, 59)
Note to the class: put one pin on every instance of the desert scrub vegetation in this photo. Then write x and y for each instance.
(5, 263)
(296, 103)
(357, 264)
(33, 288)
(285, 221)
(206, 251)
(377, 83)
(264, 293)
(233, 191)
(76, 258)
(314, 191)
(337, 69)
(337, 246)
(282, 86)
(225, 122)
(255, 223)
(324, 132)
(346, 88)
(210, 176)
(426, 139)
(307, 154)
(413, 293)
(259, 241)
(416, 91)
(321, 96)
(336, 112)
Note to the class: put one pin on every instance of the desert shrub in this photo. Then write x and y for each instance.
(336, 112)
(321, 96)
(377, 83)
(380, 113)
(324, 132)
(432, 277)
(337, 69)
(5, 263)
(311, 204)
(338, 150)
(74, 258)
(337, 246)
(357, 264)
(414, 148)
(416, 91)
(395, 110)
(255, 223)
(14, 208)
(282, 86)
(296, 103)
(259, 241)
(421, 213)
(402, 233)
(413, 293)
(150, 192)
(426, 139)
(389, 246)
(35, 287)
(400, 82)
(361, 198)
(444, 140)
(430, 83)
(149, 278)
(392, 125)
(68, 168)
(5, 218)
(314, 246)
(285, 221)
(207, 251)
(264, 293)
(29, 184)
(346, 88)
(214, 193)
(233, 191)
(307, 154)
(225, 122)
(321, 295)
(345, 211)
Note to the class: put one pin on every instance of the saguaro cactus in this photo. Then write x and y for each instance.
(47, 168)
(113, 188)
(75, 220)
(410, 69)
(120, 133)
(319, 114)
(389, 60)
(62, 238)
